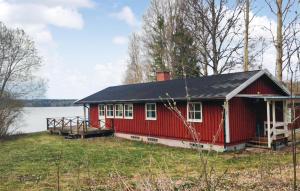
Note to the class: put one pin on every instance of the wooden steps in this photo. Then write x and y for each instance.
(258, 142)
(262, 142)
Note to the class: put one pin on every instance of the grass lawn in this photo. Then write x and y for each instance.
(31, 162)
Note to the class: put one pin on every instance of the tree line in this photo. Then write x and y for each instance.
(191, 38)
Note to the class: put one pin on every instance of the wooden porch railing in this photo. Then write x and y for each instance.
(76, 126)
(278, 130)
(73, 124)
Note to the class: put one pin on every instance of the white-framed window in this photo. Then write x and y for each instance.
(150, 110)
(101, 110)
(194, 112)
(110, 111)
(118, 111)
(128, 111)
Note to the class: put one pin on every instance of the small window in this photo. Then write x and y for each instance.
(118, 111)
(128, 111)
(150, 111)
(194, 111)
(110, 111)
(101, 110)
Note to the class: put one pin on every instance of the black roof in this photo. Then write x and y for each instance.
(207, 87)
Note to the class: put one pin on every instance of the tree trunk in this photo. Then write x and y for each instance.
(214, 37)
(246, 37)
(279, 51)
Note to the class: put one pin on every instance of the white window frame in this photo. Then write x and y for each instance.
(99, 110)
(107, 110)
(119, 117)
(128, 117)
(150, 118)
(187, 113)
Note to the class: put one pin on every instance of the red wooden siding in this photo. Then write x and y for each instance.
(242, 120)
(263, 86)
(94, 115)
(245, 113)
(168, 125)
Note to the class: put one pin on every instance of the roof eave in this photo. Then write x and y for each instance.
(151, 100)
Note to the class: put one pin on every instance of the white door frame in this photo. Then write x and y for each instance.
(101, 114)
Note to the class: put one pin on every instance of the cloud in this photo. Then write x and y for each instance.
(35, 17)
(77, 84)
(120, 40)
(68, 3)
(126, 15)
(40, 14)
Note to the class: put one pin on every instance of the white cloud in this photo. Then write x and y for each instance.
(127, 15)
(35, 17)
(68, 3)
(23, 14)
(72, 83)
(120, 40)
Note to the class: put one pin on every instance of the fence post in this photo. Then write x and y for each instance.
(70, 121)
(62, 123)
(47, 119)
(54, 124)
(77, 124)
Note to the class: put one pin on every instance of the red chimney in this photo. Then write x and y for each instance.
(162, 76)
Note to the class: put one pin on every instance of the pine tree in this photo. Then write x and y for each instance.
(185, 52)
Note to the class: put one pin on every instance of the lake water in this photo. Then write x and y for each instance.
(34, 118)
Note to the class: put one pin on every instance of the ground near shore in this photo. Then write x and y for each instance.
(42, 161)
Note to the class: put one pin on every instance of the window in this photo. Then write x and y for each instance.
(194, 111)
(119, 111)
(150, 111)
(101, 110)
(110, 111)
(128, 111)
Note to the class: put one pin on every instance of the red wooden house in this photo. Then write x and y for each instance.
(226, 111)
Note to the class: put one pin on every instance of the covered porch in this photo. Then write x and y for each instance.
(273, 116)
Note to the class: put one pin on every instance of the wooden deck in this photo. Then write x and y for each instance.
(75, 127)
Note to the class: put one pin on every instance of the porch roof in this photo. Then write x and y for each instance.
(269, 97)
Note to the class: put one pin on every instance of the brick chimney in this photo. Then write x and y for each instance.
(163, 76)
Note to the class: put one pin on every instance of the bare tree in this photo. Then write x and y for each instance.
(285, 22)
(18, 61)
(194, 23)
(134, 71)
(165, 34)
(155, 36)
(246, 35)
(219, 38)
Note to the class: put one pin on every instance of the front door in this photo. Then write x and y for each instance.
(260, 111)
(102, 116)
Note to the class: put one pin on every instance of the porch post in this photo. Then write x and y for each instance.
(227, 131)
(268, 124)
(274, 115)
(84, 116)
(285, 110)
(285, 122)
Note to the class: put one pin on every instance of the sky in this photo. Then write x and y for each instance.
(83, 43)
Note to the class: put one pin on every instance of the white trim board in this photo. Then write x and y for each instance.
(227, 130)
(252, 79)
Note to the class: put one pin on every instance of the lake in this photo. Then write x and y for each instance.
(34, 118)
